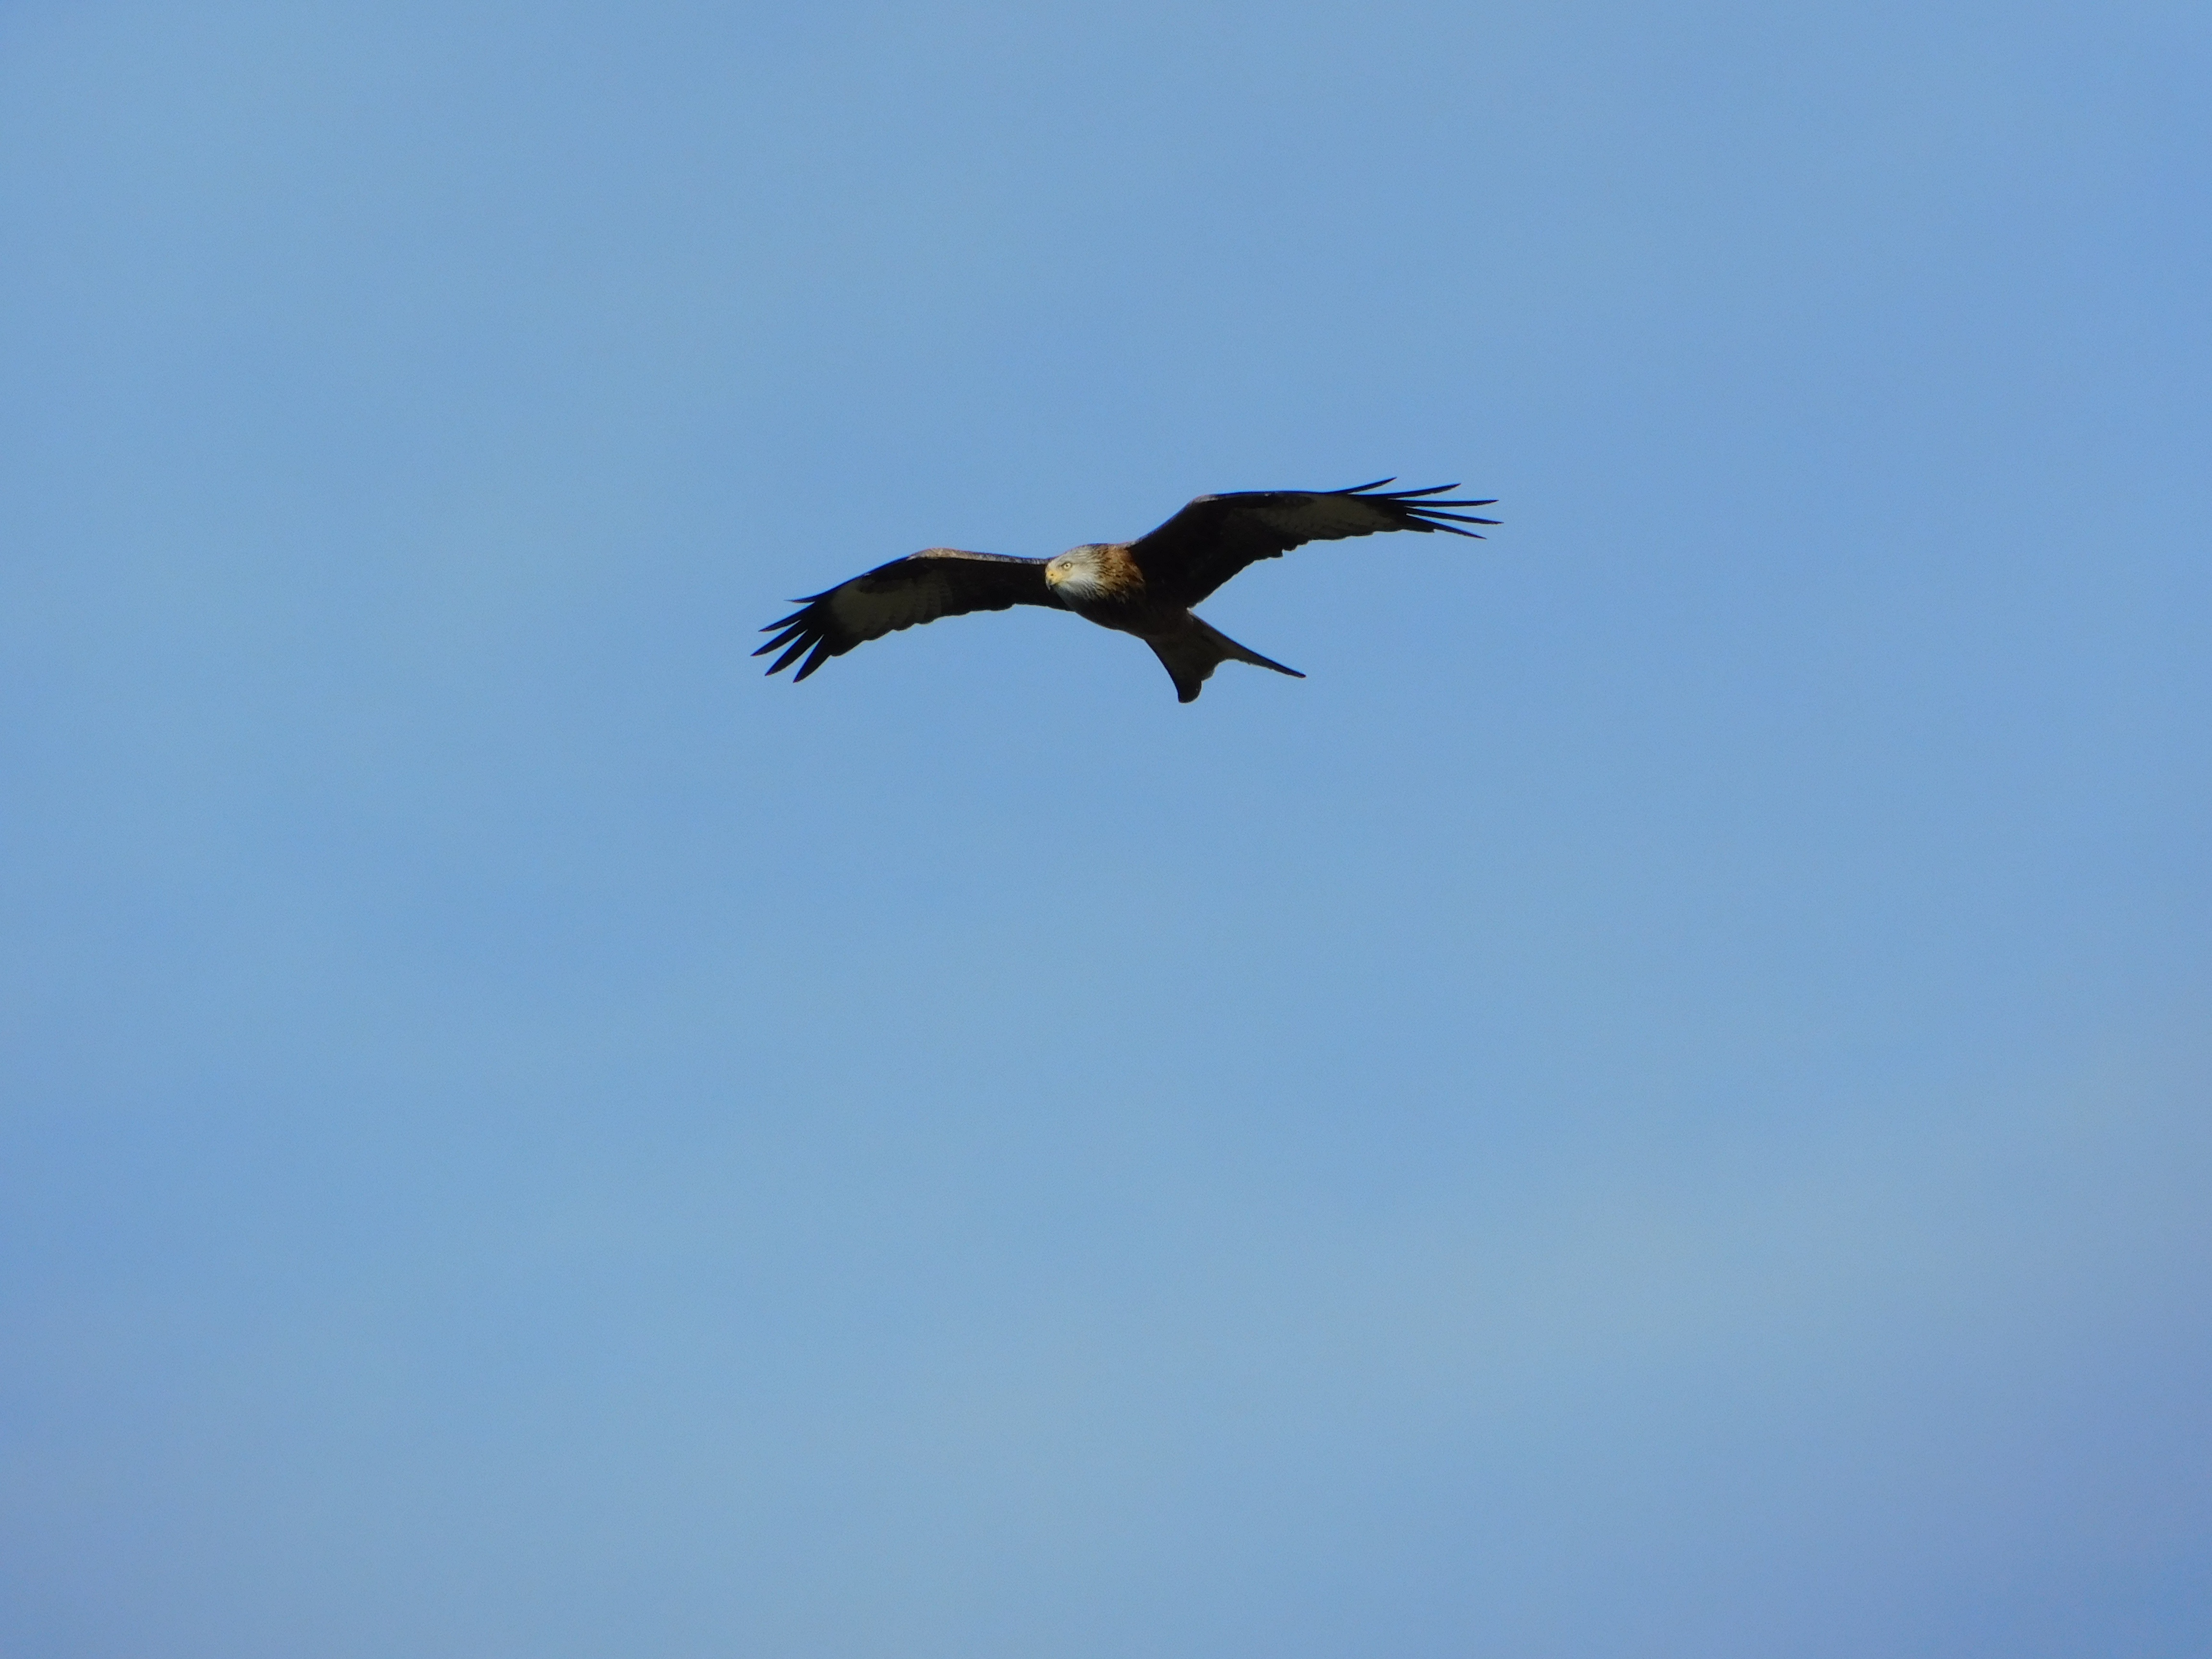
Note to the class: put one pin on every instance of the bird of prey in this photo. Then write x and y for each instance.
(1146, 587)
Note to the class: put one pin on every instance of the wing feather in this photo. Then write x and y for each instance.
(1217, 536)
(938, 581)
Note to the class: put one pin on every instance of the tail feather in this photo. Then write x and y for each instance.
(1191, 655)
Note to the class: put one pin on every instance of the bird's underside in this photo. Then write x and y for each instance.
(1146, 587)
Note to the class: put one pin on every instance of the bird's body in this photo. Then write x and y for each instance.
(1102, 583)
(1146, 587)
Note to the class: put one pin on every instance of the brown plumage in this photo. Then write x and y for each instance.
(1146, 587)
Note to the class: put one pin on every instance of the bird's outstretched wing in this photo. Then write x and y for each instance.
(1217, 536)
(938, 581)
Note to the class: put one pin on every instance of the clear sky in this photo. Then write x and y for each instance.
(1659, 1103)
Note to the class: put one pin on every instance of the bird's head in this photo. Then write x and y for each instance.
(1075, 575)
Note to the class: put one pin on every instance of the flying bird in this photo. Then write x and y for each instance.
(1146, 587)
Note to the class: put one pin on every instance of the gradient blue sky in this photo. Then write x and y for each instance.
(1657, 1104)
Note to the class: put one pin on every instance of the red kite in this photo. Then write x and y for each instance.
(1146, 587)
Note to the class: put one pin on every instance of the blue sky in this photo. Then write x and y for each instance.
(1655, 1105)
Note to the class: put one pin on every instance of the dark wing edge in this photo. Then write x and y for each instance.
(939, 582)
(1217, 536)
(1406, 505)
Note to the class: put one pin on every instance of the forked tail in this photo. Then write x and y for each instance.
(1191, 653)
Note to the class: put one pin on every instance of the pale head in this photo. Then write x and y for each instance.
(1076, 575)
